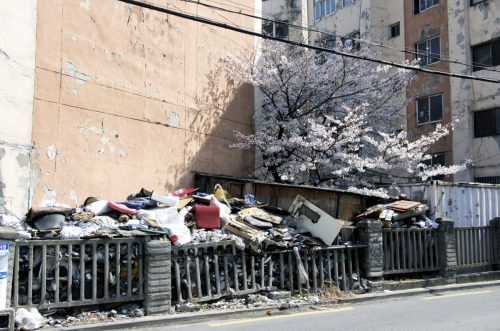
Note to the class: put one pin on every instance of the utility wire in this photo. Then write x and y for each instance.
(331, 34)
(300, 44)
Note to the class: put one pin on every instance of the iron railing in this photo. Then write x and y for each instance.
(204, 272)
(475, 246)
(410, 250)
(67, 273)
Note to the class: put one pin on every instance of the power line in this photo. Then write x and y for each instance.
(300, 44)
(329, 33)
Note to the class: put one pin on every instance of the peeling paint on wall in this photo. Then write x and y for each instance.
(23, 160)
(85, 5)
(75, 91)
(52, 152)
(2, 152)
(73, 196)
(99, 131)
(35, 176)
(73, 72)
(173, 120)
(49, 195)
(122, 154)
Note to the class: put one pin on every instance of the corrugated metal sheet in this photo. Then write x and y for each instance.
(467, 204)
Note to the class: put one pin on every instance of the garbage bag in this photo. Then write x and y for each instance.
(225, 211)
(99, 207)
(29, 319)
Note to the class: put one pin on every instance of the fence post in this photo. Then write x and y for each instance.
(157, 274)
(495, 227)
(372, 257)
(447, 249)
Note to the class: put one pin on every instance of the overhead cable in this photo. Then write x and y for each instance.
(300, 44)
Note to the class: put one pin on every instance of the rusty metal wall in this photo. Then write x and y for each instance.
(340, 204)
(467, 204)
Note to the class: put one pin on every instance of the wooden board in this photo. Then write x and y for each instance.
(242, 229)
(403, 205)
(260, 214)
(183, 202)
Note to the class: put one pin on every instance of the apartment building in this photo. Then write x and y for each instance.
(460, 37)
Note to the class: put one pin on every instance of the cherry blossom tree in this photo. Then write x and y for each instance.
(329, 120)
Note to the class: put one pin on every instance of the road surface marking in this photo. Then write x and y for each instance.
(455, 295)
(281, 316)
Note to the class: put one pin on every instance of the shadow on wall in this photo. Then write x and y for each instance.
(222, 108)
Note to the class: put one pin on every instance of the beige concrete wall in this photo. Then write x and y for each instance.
(17, 72)
(469, 26)
(127, 97)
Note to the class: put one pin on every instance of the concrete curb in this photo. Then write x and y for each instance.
(151, 321)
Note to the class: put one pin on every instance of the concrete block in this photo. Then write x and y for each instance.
(7, 319)
(279, 295)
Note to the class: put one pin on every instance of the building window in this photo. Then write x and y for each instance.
(351, 41)
(323, 8)
(429, 109)
(326, 41)
(486, 55)
(421, 5)
(394, 30)
(428, 51)
(487, 123)
(436, 160)
(475, 2)
(346, 3)
(276, 29)
(487, 180)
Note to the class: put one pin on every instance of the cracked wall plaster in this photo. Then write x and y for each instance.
(49, 195)
(23, 160)
(35, 177)
(73, 196)
(85, 5)
(173, 120)
(79, 77)
(52, 152)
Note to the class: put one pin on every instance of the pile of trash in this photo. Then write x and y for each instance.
(185, 216)
(32, 319)
(400, 214)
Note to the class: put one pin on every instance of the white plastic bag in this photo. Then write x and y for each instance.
(225, 211)
(99, 207)
(106, 222)
(70, 232)
(29, 319)
(170, 220)
(170, 201)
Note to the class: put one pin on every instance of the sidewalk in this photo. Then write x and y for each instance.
(165, 320)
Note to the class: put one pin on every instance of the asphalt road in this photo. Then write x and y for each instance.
(477, 309)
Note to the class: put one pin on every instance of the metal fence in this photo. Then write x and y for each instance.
(205, 272)
(410, 250)
(475, 246)
(67, 273)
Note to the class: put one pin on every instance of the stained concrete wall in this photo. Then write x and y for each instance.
(428, 24)
(127, 97)
(469, 26)
(292, 11)
(17, 69)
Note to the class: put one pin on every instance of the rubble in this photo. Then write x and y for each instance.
(197, 218)
(399, 215)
